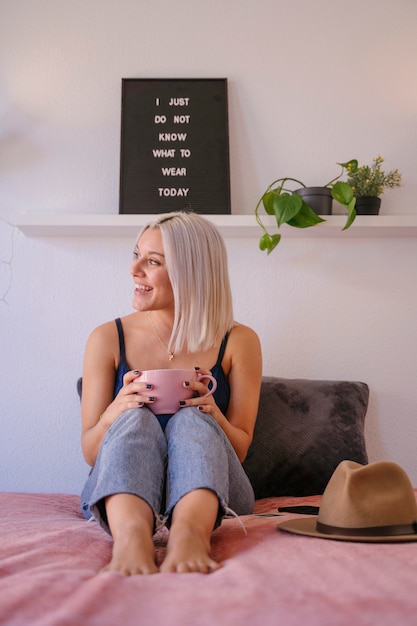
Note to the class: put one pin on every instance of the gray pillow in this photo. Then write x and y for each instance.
(304, 429)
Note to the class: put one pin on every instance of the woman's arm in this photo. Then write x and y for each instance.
(245, 377)
(242, 363)
(98, 384)
(98, 407)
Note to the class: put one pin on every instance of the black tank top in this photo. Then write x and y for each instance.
(221, 395)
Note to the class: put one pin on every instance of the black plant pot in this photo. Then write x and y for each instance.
(367, 205)
(318, 198)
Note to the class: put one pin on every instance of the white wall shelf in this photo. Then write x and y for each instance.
(237, 226)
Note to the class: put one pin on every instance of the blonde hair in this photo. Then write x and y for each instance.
(196, 260)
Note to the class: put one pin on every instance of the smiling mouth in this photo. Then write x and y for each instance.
(142, 288)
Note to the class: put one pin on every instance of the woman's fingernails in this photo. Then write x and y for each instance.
(201, 408)
(151, 399)
(197, 368)
(140, 403)
(148, 386)
(182, 402)
(136, 371)
(187, 383)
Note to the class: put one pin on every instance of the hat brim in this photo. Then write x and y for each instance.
(307, 526)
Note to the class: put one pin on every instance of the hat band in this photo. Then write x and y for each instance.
(369, 531)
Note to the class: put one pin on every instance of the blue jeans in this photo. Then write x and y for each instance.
(138, 457)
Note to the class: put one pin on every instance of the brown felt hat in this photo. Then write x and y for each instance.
(367, 503)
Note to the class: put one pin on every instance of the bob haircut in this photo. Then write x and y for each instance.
(196, 260)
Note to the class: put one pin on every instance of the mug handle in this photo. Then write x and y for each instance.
(213, 382)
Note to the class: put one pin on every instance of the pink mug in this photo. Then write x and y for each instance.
(168, 388)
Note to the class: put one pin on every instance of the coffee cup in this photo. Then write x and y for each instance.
(168, 388)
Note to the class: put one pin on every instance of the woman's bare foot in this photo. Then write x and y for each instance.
(131, 520)
(193, 520)
(188, 550)
(133, 553)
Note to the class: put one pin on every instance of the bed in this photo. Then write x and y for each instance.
(50, 556)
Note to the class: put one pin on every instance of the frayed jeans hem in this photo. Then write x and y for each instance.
(98, 513)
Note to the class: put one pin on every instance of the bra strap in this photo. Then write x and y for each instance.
(222, 350)
(121, 340)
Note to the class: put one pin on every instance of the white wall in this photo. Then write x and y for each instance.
(310, 84)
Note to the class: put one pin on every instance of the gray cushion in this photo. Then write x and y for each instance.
(303, 430)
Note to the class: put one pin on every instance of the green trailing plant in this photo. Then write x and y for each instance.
(290, 208)
(370, 180)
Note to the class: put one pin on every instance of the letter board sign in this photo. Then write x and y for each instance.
(174, 146)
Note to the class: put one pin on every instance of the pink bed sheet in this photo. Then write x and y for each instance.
(50, 558)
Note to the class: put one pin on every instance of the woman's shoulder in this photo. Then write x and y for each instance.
(241, 331)
(104, 331)
(242, 340)
(111, 333)
(109, 329)
(243, 352)
(102, 342)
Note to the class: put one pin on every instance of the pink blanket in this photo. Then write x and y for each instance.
(49, 559)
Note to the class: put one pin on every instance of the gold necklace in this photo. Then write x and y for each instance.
(170, 354)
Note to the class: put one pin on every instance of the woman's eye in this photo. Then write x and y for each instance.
(136, 257)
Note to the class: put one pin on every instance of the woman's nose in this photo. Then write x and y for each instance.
(136, 268)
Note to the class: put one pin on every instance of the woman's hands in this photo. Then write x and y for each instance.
(131, 396)
(135, 394)
(205, 403)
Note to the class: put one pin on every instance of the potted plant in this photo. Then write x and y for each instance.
(368, 183)
(297, 209)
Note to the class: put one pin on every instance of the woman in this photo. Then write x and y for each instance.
(183, 470)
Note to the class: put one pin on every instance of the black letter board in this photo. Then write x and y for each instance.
(174, 146)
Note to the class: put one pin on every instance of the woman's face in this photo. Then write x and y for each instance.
(153, 290)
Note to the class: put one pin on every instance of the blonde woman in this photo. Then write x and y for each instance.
(183, 470)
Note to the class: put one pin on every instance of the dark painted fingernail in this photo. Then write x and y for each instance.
(187, 383)
(151, 399)
(182, 403)
(148, 386)
(197, 368)
(136, 371)
(140, 403)
(200, 408)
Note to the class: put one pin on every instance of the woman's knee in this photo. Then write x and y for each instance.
(136, 427)
(136, 419)
(190, 419)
